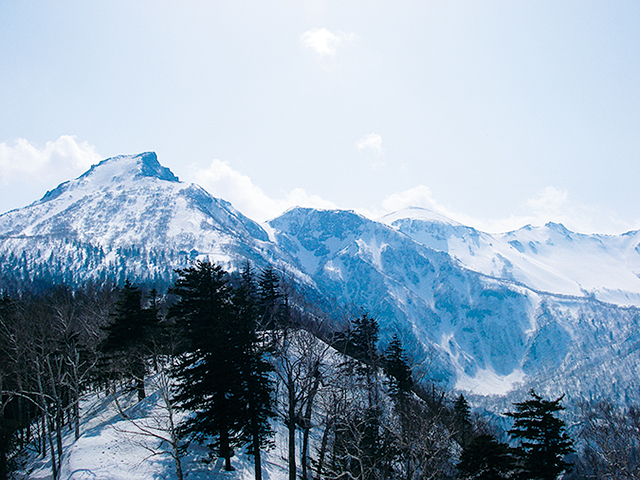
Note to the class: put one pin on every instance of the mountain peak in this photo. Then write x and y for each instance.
(117, 169)
(141, 165)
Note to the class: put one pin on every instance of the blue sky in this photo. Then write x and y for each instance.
(495, 113)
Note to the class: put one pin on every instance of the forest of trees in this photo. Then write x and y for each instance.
(232, 355)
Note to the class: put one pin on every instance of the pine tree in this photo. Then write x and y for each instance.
(396, 365)
(484, 458)
(543, 440)
(208, 372)
(255, 369)
(8, 424)
(364, 347)
(462, 421)
(129, 335)
(271, 304)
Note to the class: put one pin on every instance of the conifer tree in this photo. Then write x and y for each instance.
(396, 365)
(255, 369)
(8, 424)
(462, 421)
(271, 305)
(208, 373)
(129, 335)
(484, 458)
(364, 347)
(543, 441)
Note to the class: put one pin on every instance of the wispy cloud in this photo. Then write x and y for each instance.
(372, 142)
(549, 201)
(324, 42)
(55, 162)
(221, 180)
(27, 171)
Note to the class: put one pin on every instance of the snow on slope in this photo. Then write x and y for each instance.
(475, 332)
(548, 259)
(110, 447)
(129, 216)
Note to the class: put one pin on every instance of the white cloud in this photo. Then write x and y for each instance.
(549, 201)
(223, 181)
(323, 41)
(28, 171)
(57, 161)
(419, 196)
(372, 142)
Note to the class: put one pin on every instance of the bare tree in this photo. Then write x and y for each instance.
(611, 441)
(299, 362)
(161, 428)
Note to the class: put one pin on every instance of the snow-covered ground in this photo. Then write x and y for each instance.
(111, 447)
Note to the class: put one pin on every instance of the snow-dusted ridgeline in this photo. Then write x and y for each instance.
(486, 313)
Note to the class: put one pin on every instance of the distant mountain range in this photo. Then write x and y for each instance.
(540, 306)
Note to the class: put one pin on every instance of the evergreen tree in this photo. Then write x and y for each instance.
(396, 365)
(255, 369)
(271, 305)
(484, 458)
(364, 348)
(208, 374)
(8, 423)
(462, 421)
(128, 339)
(543, 441)
(364, 340)
(360, 438)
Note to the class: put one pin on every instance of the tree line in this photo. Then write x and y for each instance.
(237, 353)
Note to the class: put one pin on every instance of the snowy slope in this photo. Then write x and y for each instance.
(112, 447)
(472, 331)
(481, 312)
(128, 216)
(548, 259)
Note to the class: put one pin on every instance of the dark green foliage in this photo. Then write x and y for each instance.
(543, 441)
(462, 426)
(363, 346)
(396, 366)
(255, 369)
(207, 373)
(223, 376)
(8, 423)
(272, 308)
(364, 340)
(484, 458)
(129, 339)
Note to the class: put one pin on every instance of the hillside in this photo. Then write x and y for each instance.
(483, 313)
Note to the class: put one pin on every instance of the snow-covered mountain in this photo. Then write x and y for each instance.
(127, 216)
(549, 259)
(485, 313)
(477, 332)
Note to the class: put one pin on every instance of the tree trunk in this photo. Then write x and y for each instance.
(225, 450)
(323, 447)
(292, 430)
(52, 448)
(140, 388)
(76, 418)
(307, 424)
(257, 460)
(3, 465)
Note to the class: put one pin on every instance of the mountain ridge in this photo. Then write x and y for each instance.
(465, 302)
